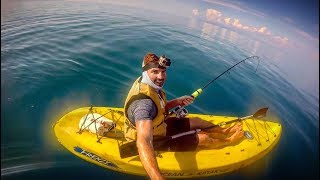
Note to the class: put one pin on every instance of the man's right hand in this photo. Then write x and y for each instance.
(185, 100)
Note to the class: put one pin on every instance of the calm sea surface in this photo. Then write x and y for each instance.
(57, 56)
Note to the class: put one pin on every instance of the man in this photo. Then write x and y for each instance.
(146, 110)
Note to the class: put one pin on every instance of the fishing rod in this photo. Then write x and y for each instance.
(180, 111)
(199, 91)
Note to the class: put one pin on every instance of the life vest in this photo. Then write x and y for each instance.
(141, 90)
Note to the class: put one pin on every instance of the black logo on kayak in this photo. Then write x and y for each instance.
(94, 157)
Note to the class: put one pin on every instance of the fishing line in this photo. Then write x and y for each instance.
(199, 91)
(181, 112)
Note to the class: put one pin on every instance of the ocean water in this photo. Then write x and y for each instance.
(57, 56)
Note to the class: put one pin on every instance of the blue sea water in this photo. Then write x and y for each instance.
(57, 56)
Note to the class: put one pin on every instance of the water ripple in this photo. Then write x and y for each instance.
(26, 167)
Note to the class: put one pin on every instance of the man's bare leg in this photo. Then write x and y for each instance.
(198, 123)
(205, 141)
(229, 130)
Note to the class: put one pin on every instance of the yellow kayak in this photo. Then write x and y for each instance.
(262, 135)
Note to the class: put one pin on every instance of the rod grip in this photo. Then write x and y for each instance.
(196, 93)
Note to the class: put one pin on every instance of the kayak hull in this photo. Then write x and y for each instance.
(200, 163)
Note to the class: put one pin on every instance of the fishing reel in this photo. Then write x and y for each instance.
(180, 112)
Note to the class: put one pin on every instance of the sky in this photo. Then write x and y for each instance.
(303, 14)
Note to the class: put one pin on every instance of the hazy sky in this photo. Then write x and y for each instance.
(302, 14)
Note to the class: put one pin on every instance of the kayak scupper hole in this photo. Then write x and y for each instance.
(227, 153)
(242, 150)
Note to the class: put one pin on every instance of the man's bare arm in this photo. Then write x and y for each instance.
(145, 148)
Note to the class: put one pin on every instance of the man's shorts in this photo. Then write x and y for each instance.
(183, 143)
